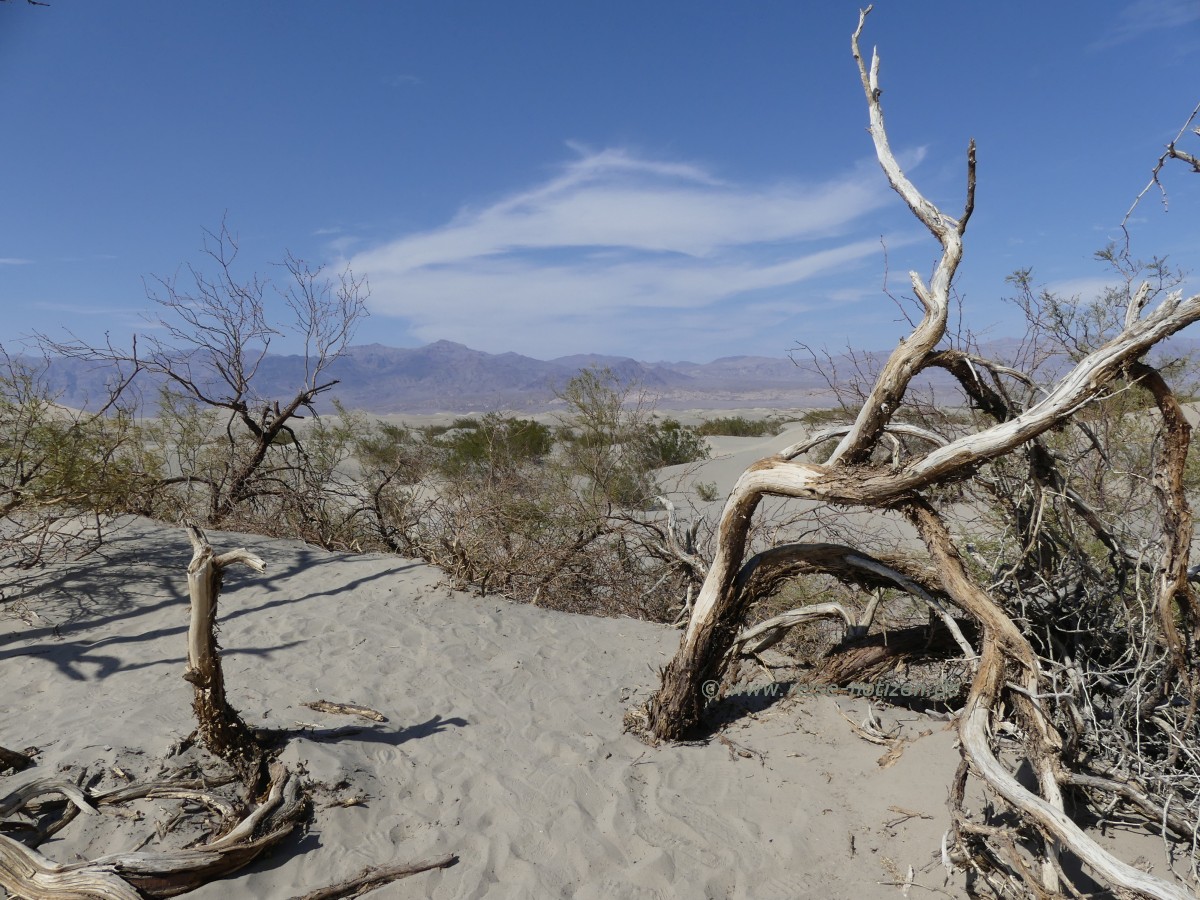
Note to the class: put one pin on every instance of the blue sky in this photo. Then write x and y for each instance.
(663, 180)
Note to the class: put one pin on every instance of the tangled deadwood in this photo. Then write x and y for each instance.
(239, 839)
(269, 801)
(1071, 566)
(273, 801)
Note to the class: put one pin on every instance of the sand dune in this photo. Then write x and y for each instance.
(504, 743)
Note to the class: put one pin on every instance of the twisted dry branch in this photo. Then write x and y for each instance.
(1013, 680)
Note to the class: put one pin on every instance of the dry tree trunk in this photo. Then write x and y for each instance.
(128, 876)
(1009, 676)
(1175, 598)
(221, 728)
(246, 830)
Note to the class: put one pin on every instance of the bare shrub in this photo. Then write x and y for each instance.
(219, 434)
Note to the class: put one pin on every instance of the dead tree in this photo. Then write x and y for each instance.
(221, 727)
(1038, 692)
(215, 335)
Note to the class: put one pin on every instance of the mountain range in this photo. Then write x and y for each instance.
(449, 377)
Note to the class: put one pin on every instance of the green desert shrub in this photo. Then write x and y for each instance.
(495, 441)
(435, 431)
(611, 441)
(603, 434)
(820, 418)
(740, 426)
(58, 464)
(394, 449)
(668, 443)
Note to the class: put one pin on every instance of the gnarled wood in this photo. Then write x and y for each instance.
(222, 729)
(875, 655)
(22, 793)
(679, 703)
(905, 361)
(766, 635)
(762, 573)
(1175, 597)
(25, 872)
(1031, 682)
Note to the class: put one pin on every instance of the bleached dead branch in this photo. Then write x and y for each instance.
(1117, 696)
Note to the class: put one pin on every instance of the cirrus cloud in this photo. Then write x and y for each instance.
(615, 245)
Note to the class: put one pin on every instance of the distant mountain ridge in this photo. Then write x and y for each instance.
(448, 377)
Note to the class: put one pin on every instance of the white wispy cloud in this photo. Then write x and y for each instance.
(1146, 16)
(15, 261)
(613, 243)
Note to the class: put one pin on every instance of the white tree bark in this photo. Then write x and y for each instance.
(222, 729)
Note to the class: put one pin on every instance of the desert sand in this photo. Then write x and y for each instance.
(504, 742)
